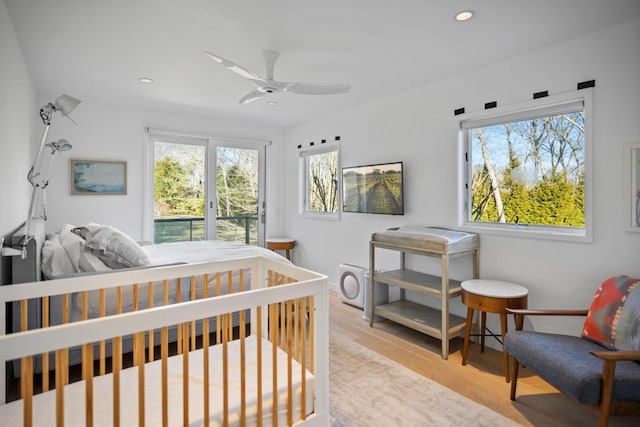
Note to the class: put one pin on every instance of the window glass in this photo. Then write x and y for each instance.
(321, 182)
(527, 169)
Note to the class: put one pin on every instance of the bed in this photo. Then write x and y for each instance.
(91, 249)
(273, 371)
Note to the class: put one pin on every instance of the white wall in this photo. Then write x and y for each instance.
(420, 129)
(17, 119)
(106, 132)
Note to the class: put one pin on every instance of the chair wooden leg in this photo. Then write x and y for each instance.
(465, 348)
(514, 378)
(505, 355)
(483, 327)
(608, 373)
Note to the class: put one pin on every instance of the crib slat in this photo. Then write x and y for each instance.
(243, 374)
(259, 362)
(218, 318)
(26, 390)
(23, 315)
(312, 337)
(192, 295)
(283, 315)
(229, 292)
(150, 356)
(103, 349)
(117, 367)
(87, 372)
(274, 362)
(60, 381)
(119, 299)
(289, 349)
(303, 359)
(65, 352)
(185, 374)
(205, 355)
(85, 315)
(296, 328)
(141, 389)
(45, 356)
(85, 305)
(164, 354)
(136, 342)
(179, 328)
(225, 371)
(205, 366)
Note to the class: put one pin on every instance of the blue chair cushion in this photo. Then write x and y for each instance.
(567, 364)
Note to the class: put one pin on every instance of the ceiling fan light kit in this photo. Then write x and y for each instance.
(269, 85)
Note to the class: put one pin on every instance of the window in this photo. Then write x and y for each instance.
(319, 171)
(526, 171)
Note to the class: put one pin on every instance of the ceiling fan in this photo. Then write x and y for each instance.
(269, 85)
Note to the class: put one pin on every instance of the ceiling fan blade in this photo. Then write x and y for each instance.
(234, 67)
(317, 88)
(270, 57)
(251, 96)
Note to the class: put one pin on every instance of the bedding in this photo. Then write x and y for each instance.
(95, 248)
(177, 253)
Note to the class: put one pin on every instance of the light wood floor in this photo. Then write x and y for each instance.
(481, 379)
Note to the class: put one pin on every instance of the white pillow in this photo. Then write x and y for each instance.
(55, 261)
(78, 252)
(112, 246)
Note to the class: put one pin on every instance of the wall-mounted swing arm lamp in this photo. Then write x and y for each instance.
(38, 175)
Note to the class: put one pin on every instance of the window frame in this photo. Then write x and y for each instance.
(304, 181)
(527, 110)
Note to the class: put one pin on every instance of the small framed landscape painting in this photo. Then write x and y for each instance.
(98, 177)
(632, 187)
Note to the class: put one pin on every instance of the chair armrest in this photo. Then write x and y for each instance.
(528, 312)
(617, 356)
(521, 312)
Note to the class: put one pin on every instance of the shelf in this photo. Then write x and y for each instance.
(421, 318)
(420, 282)
(432, 242)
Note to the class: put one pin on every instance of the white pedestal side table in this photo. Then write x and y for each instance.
(491, 296)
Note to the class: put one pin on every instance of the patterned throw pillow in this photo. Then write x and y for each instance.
(614, 316)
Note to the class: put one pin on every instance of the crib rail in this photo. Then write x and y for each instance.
(291, 318)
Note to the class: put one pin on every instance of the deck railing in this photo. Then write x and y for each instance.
(241, 228)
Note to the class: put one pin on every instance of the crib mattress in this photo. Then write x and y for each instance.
(430, 239)
(74, 397)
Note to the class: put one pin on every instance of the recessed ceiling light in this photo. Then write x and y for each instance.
(145, 80)
(465, 15)
(272, 103)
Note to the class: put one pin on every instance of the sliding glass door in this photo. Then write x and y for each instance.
(238, 192)
(206, 189)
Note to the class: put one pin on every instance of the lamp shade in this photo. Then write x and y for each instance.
(66, 104)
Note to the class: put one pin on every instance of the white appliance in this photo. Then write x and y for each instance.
(354, 288)
(353, 281)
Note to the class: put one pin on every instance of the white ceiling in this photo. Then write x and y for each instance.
(96, 50)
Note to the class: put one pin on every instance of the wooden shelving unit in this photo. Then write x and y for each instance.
(433, 242)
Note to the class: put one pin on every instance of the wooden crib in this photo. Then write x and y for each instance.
(269, 369)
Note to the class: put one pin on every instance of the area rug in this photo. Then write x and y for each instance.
(368, 389)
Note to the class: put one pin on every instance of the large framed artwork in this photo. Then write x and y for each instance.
(98, 177)
(375, 189)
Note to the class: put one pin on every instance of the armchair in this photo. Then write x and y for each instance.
(596, 368)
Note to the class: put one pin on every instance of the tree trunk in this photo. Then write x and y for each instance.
(495, 185)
